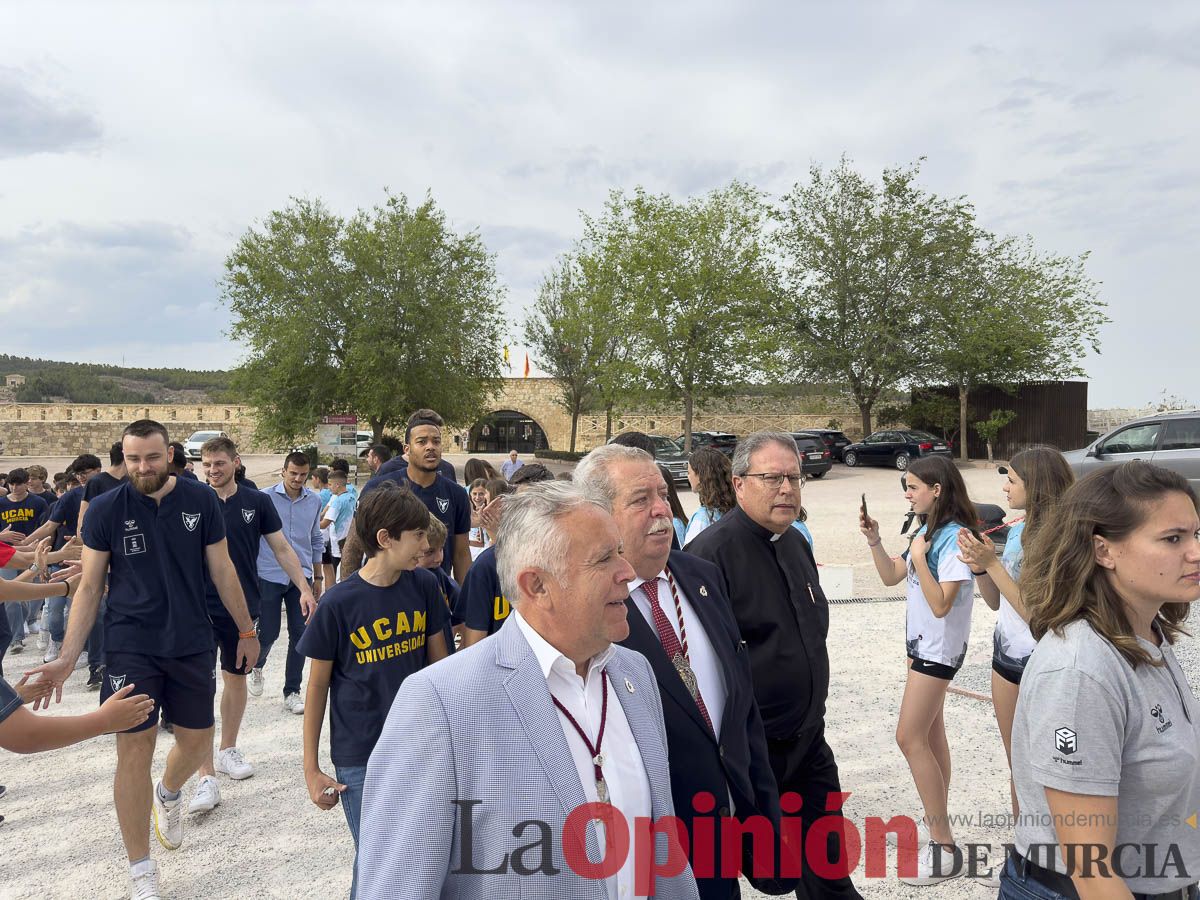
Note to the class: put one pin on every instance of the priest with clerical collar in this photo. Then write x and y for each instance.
(771, 579)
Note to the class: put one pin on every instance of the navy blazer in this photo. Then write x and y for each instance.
(734, 765)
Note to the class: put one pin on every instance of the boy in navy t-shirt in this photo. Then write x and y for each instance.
(369, 633)
(431, 559)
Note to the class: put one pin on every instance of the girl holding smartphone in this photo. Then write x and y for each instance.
(940, 594)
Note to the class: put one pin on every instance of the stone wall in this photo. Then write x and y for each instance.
(45, 429)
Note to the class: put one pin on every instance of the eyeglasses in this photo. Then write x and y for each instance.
(774, 480)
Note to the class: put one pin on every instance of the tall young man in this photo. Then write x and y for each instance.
(154, 536)
(443, 497)
(250, 518)
(300, 512)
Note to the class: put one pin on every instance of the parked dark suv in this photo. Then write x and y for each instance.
(835, 441)
(895, 447)
(815, 458)
(718, 440)
(670, 456)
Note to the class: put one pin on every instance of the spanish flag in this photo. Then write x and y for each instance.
(526, 365)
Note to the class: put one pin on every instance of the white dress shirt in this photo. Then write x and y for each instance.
(701, 655)
(624, 774)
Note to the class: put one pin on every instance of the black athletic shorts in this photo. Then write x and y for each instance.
(225, 641)
(933, 669)
(327, 557)
(1007, 667)
(182, 688)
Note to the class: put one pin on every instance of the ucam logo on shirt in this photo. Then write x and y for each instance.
(443, 503)
(190, 520)
(247, 516)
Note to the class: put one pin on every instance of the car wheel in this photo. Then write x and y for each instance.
(901, 461)
(818, 474)
(850, 458)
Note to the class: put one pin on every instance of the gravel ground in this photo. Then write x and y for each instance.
(267, 839)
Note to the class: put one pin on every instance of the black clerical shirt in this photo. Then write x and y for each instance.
(782, 614)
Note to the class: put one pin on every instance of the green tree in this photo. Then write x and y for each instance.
(858, 258)
(573, 330)
(695, 280)
(990, 428)
(373, 316)
(1003, 314)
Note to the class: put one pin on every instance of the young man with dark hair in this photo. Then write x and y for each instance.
(370, 632)
(20, 512)
(300, 511)
(420, 417)
(155, 536)
(250, 520)
(444, 498)
(179, 462)
(377, 456)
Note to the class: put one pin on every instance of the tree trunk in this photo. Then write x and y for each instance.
(574, 425)
(608, 422)
(376, 430)
(688, 408)
(989, 451)
(962, 423)
(864, 410)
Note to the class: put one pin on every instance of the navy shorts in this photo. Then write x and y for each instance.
(182, 688)
(225, 641)
(933, 669)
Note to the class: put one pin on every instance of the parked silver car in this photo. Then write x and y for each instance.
(1170, 440)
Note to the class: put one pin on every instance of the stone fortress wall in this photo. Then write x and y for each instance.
(48, 429)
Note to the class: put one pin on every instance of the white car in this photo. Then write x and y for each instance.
(364, 440)
(191, 447)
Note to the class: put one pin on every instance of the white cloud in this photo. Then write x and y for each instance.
(140, 141)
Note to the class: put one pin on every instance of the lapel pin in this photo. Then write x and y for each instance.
(629, 685)
(703, 591)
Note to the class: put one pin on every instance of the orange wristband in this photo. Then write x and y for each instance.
(246, 635)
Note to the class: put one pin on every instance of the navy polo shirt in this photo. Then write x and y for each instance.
(248, 515)
(481, 602)
(156, 604)
(399, 464)
(66, 514)
(444, 498)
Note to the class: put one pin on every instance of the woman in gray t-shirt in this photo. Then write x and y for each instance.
(1106, 740)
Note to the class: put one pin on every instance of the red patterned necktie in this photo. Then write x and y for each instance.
(668, 638)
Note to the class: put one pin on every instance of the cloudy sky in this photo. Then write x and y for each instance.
(139, 140)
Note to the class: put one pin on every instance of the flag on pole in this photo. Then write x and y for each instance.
(506, 354)
(526, 364)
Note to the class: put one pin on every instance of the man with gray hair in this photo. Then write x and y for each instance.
(769, 574)
(680, 620)
(475, 784)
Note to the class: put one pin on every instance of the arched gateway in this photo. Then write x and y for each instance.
(505, 430)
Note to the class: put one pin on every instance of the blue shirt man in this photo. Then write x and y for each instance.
(300, 512)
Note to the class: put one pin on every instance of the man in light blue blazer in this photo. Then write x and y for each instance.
(534, 763)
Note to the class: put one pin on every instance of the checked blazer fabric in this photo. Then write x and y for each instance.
(480, 726)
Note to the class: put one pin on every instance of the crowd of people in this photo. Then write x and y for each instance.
(564, 686)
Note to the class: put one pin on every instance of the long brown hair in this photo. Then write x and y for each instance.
(714, 476)
(478, 468)
(953, 504)
(1046, 475)
(1062, 582)
(673, 496)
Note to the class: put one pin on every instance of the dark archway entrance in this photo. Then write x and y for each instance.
(506, 430)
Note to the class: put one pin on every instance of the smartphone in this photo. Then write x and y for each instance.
(864, 507)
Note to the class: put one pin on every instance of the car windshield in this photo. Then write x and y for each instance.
(664, 445)
(203, 435)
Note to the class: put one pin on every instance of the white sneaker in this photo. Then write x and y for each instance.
(207, 795)
(43, 641)
(145, 881)
(922, 832)
(82, 662)
(168, 821)
(231, 762)
(255, 682)
(52, 651)
(936, 863)
(294, 703)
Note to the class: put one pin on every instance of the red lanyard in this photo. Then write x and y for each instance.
(1004, 525)
(679, 615)
(597, 754)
